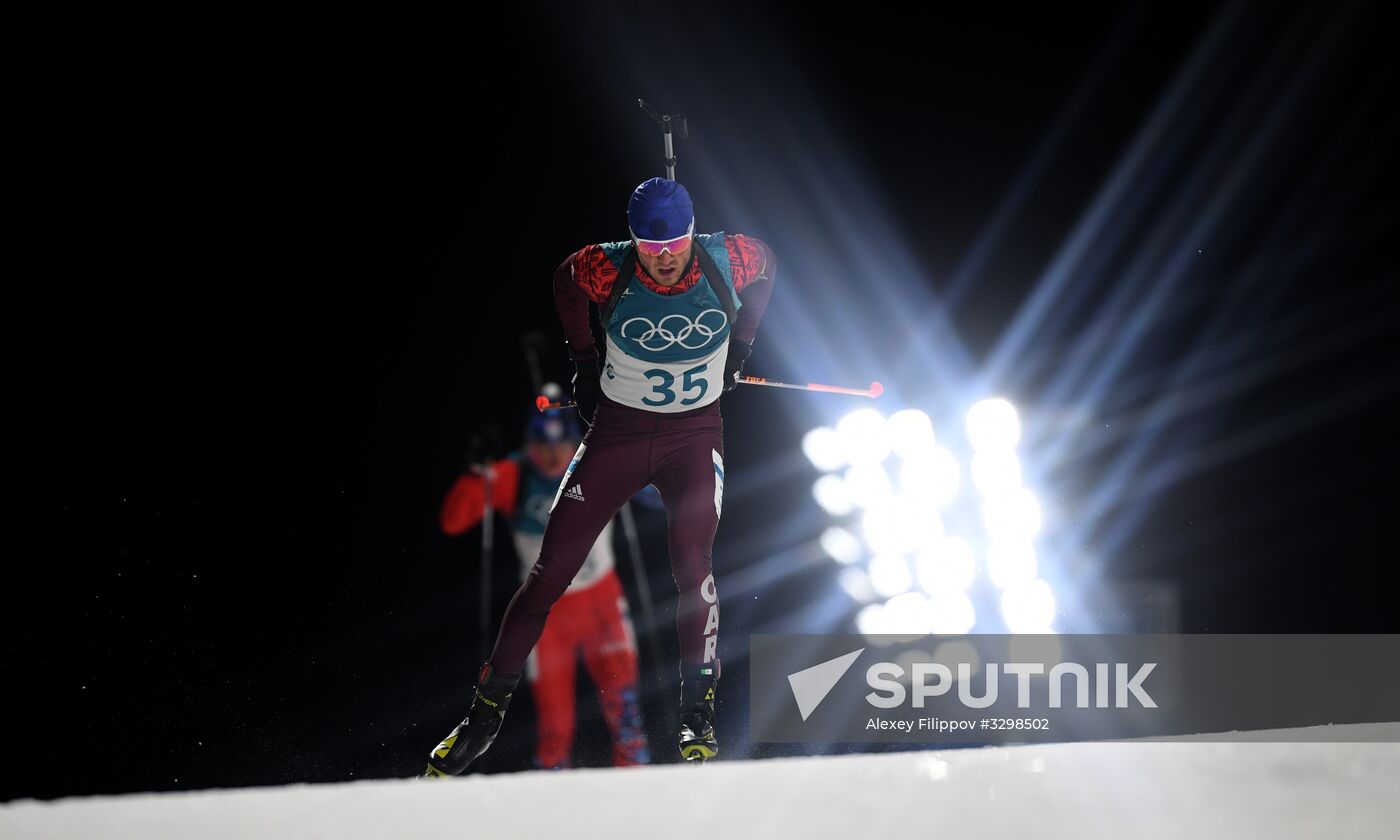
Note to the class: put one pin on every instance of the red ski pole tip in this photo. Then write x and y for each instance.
(540, 402)
(876, 389)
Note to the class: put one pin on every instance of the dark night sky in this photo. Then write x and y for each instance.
(292, 259)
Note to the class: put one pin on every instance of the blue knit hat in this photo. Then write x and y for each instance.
(552, 426)
(660, 210)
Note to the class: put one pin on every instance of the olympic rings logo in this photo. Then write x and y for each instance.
(656, 333)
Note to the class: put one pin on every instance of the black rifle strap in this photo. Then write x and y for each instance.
(711, 272)
(624, 279)
(629, 268)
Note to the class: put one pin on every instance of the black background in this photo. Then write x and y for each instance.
(284, 261)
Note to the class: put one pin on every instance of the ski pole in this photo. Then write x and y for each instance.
(533, 342)
(488, 557)
(876, 389)
(639, 571)
(481, 445)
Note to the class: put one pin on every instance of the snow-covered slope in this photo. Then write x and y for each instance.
(1179, 789)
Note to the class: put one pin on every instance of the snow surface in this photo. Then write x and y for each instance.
(1179, 789)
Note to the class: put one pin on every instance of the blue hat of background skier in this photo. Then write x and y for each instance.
(552, 426)
(660, 210)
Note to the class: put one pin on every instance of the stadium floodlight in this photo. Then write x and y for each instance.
(857, 584)
(911, 433)
(889, 575)
(871, 620)
(822, 446)
(932, 477)
(833, 495)
(895, 528)
(868, 486)
(995, 472)
(925, 527)
(947, 476)
(946, 566)
(951, 613)
(1011, 564)
(1013, 516)
(907, 614)
(841, 545)
(993, 425)
(864, 436)
(1029, 608)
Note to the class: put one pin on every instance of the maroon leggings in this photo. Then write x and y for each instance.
(627, 449)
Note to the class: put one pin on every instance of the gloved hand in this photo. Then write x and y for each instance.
(734, 364)
(586, 387)
(482, 447)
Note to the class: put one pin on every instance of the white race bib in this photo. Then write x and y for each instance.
(599, 562)
(666, 387)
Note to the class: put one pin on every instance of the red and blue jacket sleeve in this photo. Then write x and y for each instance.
(465, 504)
(585, 276)
(753, 267)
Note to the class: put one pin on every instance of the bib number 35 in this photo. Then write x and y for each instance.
(690, 381)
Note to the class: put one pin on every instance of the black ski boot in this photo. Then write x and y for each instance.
(473, 736)
(697, 735)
